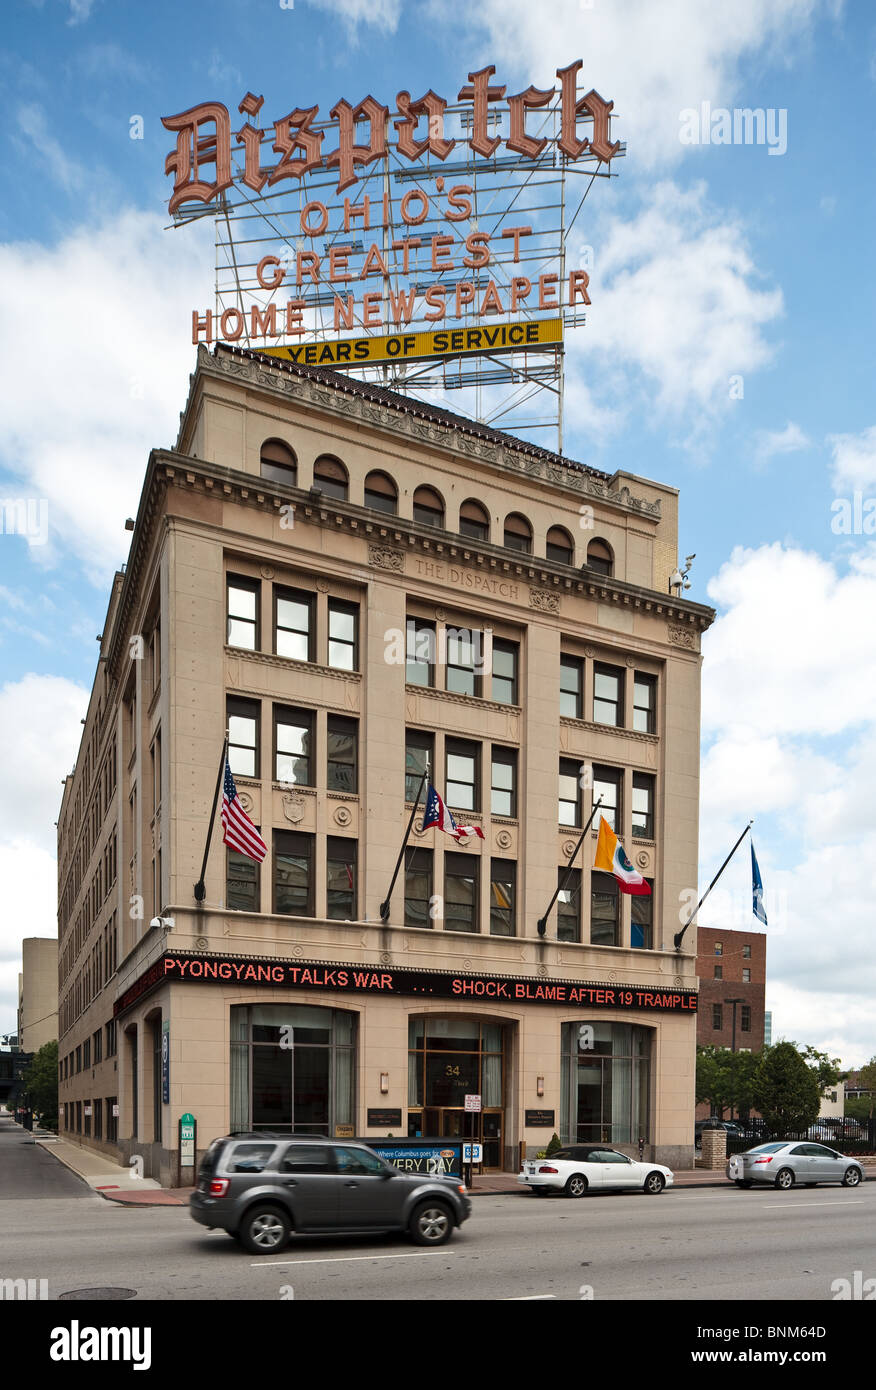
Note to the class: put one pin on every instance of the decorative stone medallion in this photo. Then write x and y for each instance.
(293, 807)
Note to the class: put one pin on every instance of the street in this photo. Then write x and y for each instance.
(713, 1243)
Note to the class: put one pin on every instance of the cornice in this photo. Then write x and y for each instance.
(587, 726)
(399, 535)
(290, 664)
(397, 421)
(453, 697)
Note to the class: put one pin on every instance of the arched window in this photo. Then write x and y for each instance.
(278, 462)
(600, 557)
(381, 493)
(428, 507)
(559, 546)
(474, 521)
(330, 476)
(518, 533)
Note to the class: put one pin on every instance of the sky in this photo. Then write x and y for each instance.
(729, 351)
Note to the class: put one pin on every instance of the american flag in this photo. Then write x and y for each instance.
(438, 814)
(238, 831)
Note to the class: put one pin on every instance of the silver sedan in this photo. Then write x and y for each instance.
(786, 1163)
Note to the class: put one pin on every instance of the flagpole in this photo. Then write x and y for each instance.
(384, 906)
(679, 935)
(542, 921)
(200, 886)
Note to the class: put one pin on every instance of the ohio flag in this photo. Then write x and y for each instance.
(611, 858)
(437, 814)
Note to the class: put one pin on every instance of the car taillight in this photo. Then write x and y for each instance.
(219, 1187)
(764, 1160)
(545, 1169)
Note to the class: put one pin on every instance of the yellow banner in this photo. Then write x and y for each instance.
(403, 347)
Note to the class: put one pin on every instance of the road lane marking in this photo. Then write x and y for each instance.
(347, 1259)
(772, 1206)
(531, 1298)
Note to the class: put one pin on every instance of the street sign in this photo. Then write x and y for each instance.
(187, 1141)
(165, 1062)
(476, 1157)
(472, 1102)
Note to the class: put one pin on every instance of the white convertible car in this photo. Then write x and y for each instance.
(592, 1168)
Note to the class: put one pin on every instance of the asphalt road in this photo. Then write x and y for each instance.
(715, 1244)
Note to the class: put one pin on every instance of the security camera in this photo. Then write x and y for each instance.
(156, 922)
(165, 923)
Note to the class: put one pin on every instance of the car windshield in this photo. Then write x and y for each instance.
(767, 1148)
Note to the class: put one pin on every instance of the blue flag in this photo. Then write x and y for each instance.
(757, 906)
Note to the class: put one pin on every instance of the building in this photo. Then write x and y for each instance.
(731, 965)
(352, 582)
(38, 993)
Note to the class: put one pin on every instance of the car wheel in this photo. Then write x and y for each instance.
(576, 1185)
(431, 1224)
(785, 1179)
(851, 1177)
(654, 1184)
(264, 1230)
(743, 1182)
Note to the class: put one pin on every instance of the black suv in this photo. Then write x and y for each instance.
(260, 1187)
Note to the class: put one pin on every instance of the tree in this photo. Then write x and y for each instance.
(827, 1069)
(867, 1076)
(785, 1090)
(40, 1085)
(724, 1078)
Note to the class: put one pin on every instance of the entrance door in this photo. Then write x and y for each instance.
(447, 1122)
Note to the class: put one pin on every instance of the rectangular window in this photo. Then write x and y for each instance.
(504, 685)
(243, 737)
(570, 793)
(571, 687)
(719, 948)
(461, 893)
(293, 624)
(343, 635)
(341, 879)
(645, 703)
(608, 695)
(719, 972)
(97, 1047)
(642, 920)
(503, 898)
(419, 751)
(111, 1038)
(746, 976)
(461, 781)
(464, 660)
(643, 806)
(293, 873)
(420, 667)
(503, 778)
(569, 906)
(717, 1017)
(603, 910)
(86, 1054)
(294, 760)
(243, 613)
(98, 1119)
(242, 883)
(342, 742)
(746, 953)
(418, 888)
(607, 783)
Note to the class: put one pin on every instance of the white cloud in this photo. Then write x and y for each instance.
(67, 172)
(381, 14)
(29, 909)
(675, 297)
(120, 292)
(795, 652)
(41, 717)
(788, 672)
(652, 60)
(854, 460)
(80, 11)
(772, 443)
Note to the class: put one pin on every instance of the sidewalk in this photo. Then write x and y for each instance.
(119, 1184)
